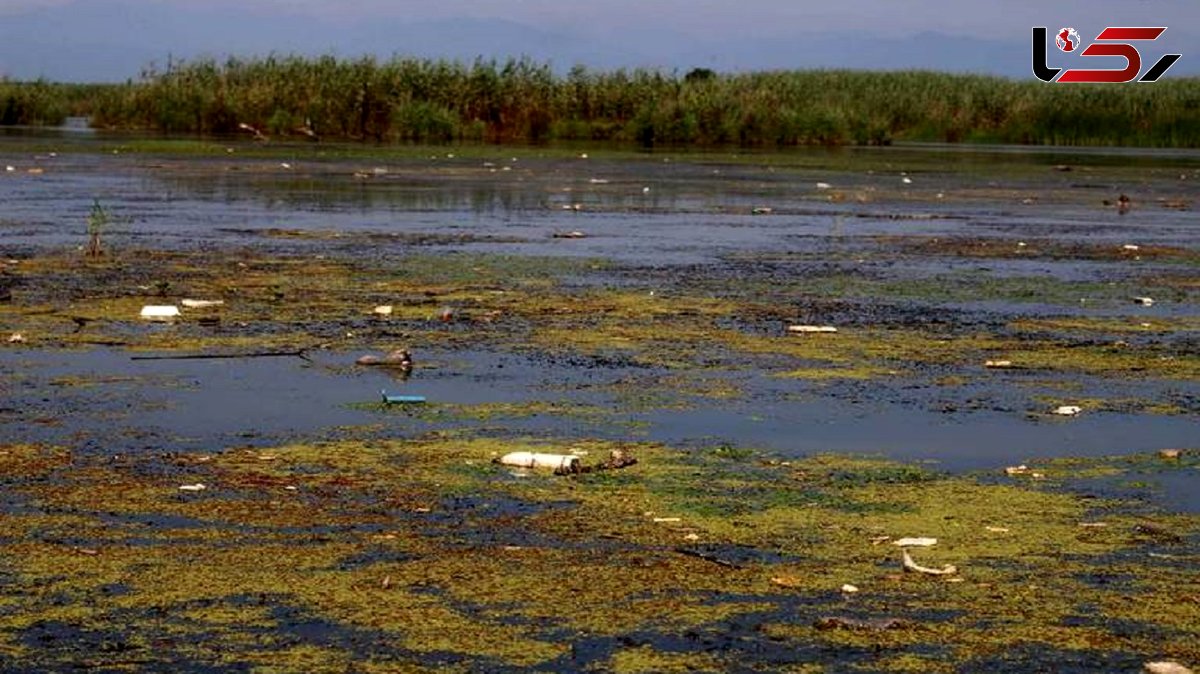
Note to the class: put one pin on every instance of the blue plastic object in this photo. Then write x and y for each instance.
(401, 400)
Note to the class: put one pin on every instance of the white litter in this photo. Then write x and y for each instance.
(563, 462)
(812, 329)
(16, 338)
(823, 186)
(849, 589)
(919, 542)
(906, 180)
(998, 364)
(382, 310)
(910, 565)
(598, 181)
(201, 304)
(152, 312)
(1165, 667)
(1130, 246)
(199, 486)
(1067, 410)
(1144, 301)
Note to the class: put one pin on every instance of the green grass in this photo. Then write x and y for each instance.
(406, 99)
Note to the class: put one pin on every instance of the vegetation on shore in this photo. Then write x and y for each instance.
(405, 99)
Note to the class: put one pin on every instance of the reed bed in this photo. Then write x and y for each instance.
(406, 99)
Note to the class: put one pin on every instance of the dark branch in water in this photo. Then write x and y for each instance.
(298, 353)
(708, 557)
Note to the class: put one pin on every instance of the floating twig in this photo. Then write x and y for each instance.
(298, 353)
(708, 557)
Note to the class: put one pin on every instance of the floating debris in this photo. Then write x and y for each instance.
(762, 210)
(598, 181)
(199, 486)
(666, 520)
(1131, 246)
(812, 329)
(824, 186)
(1162, 453)
(16, 338)
(10, 168)
(906, 180)
(1067, 410)
(572, 207)
(999, 364)
(849, 589)
(910, 565)
(1017, 470)
(574, 234)
(1144, 301)
(201, 304)
(152, 312)
(382, 310)
(1165, 667)
(919, 542)
(391, 399)
(565, 463)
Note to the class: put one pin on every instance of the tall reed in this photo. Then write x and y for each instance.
(406, 99)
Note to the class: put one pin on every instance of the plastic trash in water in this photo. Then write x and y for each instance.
(152, 312)
(401, 399)
(201, 304)
(565, 463)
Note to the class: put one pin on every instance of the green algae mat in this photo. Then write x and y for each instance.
(425, 555)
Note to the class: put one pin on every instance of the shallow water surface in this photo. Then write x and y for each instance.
(718, 222)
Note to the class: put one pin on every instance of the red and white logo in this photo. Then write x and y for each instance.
(1112, 41)
(1067, 39)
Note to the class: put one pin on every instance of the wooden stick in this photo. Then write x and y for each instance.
(299, 353)
(708, 557)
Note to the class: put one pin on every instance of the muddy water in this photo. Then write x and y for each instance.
(656, 218)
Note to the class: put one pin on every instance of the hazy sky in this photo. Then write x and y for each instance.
(53, 37)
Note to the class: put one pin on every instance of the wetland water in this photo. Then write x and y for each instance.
(899, 237)
(590, 300)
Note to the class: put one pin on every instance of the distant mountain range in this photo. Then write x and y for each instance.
(114, 40)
